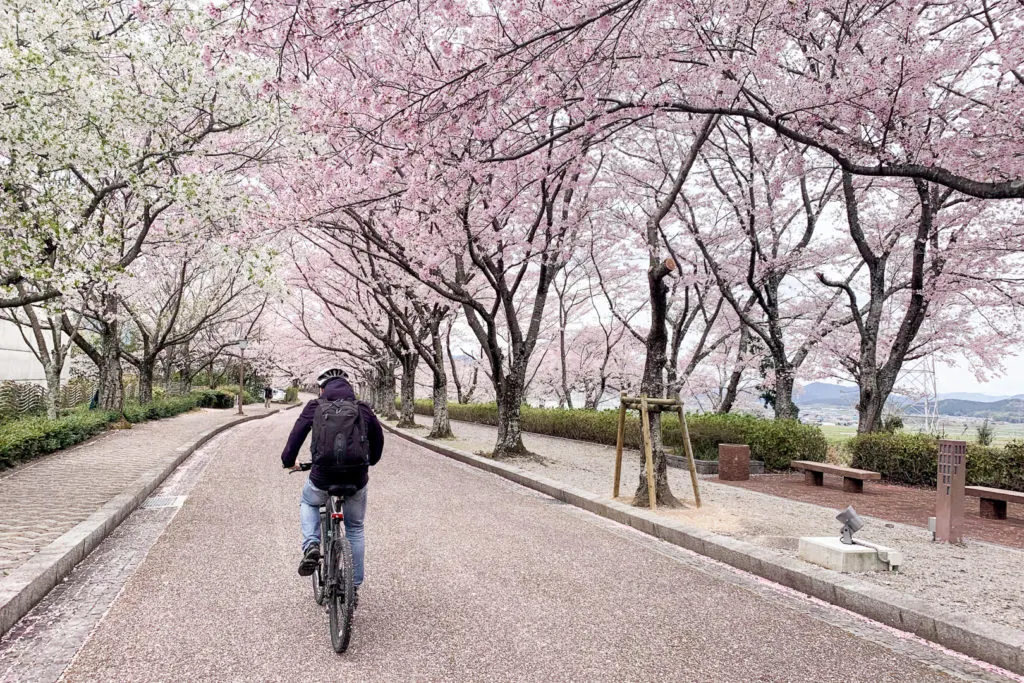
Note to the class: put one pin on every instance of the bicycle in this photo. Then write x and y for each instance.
(332, 578)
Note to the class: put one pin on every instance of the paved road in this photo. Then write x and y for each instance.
(469, 578)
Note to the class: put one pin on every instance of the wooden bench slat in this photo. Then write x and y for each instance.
(850, 472)
(994, 494)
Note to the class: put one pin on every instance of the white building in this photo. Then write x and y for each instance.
(17, 362)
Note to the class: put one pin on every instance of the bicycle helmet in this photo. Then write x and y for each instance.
(329, 374)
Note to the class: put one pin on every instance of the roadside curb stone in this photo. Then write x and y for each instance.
(998, 645)
(31, 581)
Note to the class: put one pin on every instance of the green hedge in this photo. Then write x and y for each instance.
(214, 398)
(291, 395)
(912, 459)
(250, 395)
(162, 407)
(776, 442)
(901, 458)
(30, 437)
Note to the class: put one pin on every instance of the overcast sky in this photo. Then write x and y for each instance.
(961, 378)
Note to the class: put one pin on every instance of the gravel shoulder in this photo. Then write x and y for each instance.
(980, 579)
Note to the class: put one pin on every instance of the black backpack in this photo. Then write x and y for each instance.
(339, 436)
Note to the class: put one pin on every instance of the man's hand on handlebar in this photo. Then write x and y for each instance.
(300, 467)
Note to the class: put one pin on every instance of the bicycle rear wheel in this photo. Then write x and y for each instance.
(320, 573)
(342, 593)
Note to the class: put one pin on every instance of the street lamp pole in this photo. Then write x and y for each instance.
(241, 376)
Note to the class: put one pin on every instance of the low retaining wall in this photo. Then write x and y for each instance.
(709, 466)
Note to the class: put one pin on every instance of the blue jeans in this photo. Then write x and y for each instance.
(354, 508)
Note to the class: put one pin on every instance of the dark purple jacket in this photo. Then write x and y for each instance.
(336, 389)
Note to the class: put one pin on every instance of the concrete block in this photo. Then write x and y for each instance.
(831, 553)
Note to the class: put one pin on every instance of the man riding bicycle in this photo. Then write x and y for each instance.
(347, 439)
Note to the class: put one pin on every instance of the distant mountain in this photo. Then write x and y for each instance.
(973, 396)
(825, 394)
(1006, 410)
(954, 403)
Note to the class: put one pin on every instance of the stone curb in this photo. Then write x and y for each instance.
(30, 582)
(999, 645)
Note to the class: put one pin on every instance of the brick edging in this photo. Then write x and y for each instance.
(28, 583)
(1002, 646)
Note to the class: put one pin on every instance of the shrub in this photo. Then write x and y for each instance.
(901, 458)
(164, 407)
(985, 433)
(214, 398)
(891, 424)
(291, 395)
(776, 442)
(250, 396)
(913, 459)
(1001, 468)
(30, 437)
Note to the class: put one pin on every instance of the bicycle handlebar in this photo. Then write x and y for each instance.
(303, 466)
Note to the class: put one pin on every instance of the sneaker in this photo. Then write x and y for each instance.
(310, 559)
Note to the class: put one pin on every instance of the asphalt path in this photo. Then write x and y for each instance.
(469, 577)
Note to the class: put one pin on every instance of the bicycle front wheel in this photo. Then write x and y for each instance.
(342, 596)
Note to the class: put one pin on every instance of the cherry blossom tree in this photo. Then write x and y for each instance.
(931, 258)
(756, 234)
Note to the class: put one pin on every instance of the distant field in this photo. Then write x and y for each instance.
(837, 434)
(953, 429)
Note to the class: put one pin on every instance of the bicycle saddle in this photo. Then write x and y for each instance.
(342, 491)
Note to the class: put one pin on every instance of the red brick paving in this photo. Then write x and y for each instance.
(895, 503)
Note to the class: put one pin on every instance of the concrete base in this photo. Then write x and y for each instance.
(709, 466)
(831, 553)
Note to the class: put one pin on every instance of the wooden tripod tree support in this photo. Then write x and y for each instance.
(646, 406)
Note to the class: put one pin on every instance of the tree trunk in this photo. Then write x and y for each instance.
(111, 384)
(409, 363)
(385, 392)
(510, 429)
(441, 427)
(733, 387)
(785, 409)
(147, 368)
(52, 390)
(653, 385)
(566, 392)
(869, 409)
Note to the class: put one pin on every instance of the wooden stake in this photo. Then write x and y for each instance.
(619, 440)
(645, 437)
(689, 453)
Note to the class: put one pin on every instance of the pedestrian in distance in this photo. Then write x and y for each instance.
(268, 393)
(347, 441)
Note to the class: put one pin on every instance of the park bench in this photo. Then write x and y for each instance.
(853, 479)
(993, 501)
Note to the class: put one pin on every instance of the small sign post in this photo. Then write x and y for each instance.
(949, 503)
